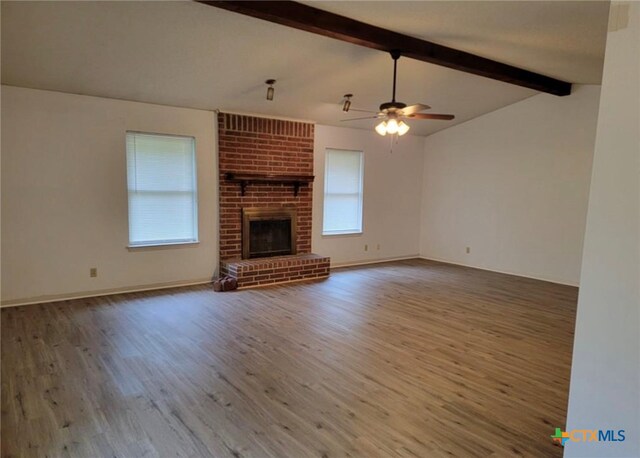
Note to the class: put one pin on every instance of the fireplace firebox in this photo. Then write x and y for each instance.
(268, 232)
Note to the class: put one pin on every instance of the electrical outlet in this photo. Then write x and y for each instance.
(366, 247)
(93, 272)
(468, 250)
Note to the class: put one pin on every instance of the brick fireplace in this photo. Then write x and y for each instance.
(266, 173)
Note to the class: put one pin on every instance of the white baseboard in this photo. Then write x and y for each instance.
(576, 285)
(103, 292)
(372, 261)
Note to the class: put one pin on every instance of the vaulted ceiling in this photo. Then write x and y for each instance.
(192, 55)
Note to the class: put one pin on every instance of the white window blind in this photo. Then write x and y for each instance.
(161, 177)
(343, 192)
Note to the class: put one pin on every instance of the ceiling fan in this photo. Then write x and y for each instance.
(393, 113)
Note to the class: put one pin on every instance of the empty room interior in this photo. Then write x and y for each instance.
(320, 229)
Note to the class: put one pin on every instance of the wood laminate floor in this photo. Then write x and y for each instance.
(405, 359)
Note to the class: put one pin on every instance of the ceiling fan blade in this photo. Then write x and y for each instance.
(358, 119)
(363, 111)
(414, 109)
(444, 117)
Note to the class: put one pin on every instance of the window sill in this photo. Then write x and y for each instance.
(162, 246)
(342, 234)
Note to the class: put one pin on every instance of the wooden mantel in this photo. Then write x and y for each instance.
(246, 178)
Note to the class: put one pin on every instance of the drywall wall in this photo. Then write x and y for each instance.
(64, 196)
(391, 196)
(513, 186)
(605, 373)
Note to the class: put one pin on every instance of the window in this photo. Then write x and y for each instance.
(161, 178)
(343, 192)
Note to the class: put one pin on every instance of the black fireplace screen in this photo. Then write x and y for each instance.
(269, 237)
(268, 232)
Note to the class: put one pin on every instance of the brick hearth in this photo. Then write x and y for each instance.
(249, 144)
(277, 269)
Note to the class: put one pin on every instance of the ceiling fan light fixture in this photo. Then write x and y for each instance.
(270, 89)
(392, 126)
(382, 128)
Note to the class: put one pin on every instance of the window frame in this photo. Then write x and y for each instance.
(344, 232)
(168, 243)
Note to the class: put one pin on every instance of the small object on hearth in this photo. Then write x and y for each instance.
(225, 283)
(229, 284)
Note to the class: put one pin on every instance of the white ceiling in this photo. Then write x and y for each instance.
(192, 55)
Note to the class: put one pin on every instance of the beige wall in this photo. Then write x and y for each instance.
(605, 374)
(392, 184)
(64, 200)
(513, 193)
(513, 185)
(64, 196)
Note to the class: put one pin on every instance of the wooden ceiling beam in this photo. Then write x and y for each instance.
(310, 19)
